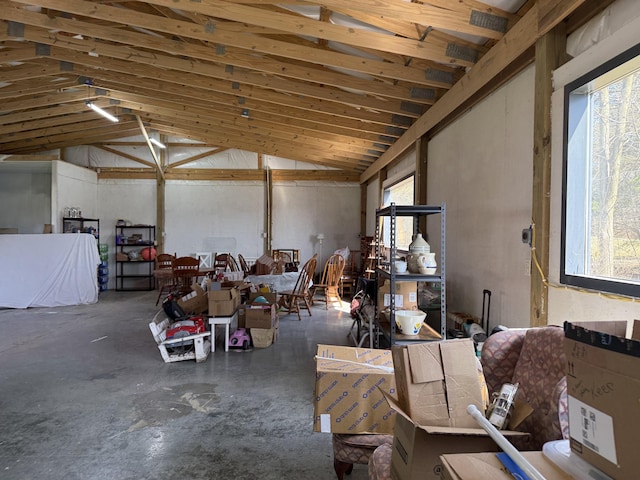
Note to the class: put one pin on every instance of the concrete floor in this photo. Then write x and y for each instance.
(84, 394)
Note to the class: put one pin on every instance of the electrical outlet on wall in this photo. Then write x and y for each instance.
(527, 263)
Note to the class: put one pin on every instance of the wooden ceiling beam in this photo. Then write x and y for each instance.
(84, 137)
(248, 137)
(286, 80)
(298, 107)
(289, 150)
(256, 44)
(275, 91)
(538, 20)
(152, 104)
(35, 87)
(310, 27)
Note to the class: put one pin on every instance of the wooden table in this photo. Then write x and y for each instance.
(167, 273)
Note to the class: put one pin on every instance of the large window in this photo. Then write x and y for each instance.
(400, 193)
(601, 208)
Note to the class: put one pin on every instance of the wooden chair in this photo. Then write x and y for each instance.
(224, 262)
(290, 299)
(243, 265)
(349, 278)
(164, 273)
(330, 282)
(185, 272)
(233, 264)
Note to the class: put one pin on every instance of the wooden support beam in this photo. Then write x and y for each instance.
(161, 202)
(150, 145)
(125, 155)
(550, 54)
(420, 183)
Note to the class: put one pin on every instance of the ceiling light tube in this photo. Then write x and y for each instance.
(102, 112)
(157, 143)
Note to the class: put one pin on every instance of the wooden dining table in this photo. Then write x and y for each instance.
(167, 273)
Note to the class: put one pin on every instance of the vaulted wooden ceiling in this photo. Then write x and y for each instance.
(333, 82)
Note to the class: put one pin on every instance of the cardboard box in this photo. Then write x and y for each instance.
(486, 466)
(406, 295)
(271, 297)
(260, 316)
(417, 448)
(264, 337)
(223, 302)
(195, 302)
(603, 384)
(436, 381)
(241, 316)
(348, 391)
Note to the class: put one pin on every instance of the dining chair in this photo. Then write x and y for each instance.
(164, 273)
(330, 282)
(185, 272)
(291, 299)
(243, 265)
(224, 262)
(349, 278)
(233, 264)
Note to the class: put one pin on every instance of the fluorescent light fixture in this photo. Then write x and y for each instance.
(102, 112)
(157, 143)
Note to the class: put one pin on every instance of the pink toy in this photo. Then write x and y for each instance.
(240, 339)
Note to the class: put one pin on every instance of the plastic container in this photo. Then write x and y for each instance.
(560, 454)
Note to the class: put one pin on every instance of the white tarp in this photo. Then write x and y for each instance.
(279, 283)
(48, 270)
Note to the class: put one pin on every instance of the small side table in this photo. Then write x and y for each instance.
(226, 321)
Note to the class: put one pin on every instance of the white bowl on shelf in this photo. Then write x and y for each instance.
(400, 266)
(409, 322)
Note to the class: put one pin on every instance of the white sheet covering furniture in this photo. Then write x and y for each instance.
(48, 270)
(280, 282)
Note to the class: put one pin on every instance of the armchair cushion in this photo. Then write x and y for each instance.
(534, 358)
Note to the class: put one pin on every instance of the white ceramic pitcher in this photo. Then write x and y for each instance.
(427, 263)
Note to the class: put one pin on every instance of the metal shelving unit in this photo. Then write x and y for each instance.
(385, 270)
(134, 274)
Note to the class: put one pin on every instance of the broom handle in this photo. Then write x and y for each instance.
(504, 444)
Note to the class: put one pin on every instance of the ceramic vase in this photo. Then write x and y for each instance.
(417, 247)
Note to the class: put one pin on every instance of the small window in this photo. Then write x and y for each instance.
(601, 178)
(400, 193)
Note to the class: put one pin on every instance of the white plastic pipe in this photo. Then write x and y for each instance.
(504, 444)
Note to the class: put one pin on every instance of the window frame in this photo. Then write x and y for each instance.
(575, 280)
(387, 187)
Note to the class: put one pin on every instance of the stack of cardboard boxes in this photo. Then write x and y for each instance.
(261, 318)
(436, 382)
(603, 389)
(349, 390)
(418, 392)
(603, 386)
(222, 299)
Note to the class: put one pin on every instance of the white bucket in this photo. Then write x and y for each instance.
(409, 322)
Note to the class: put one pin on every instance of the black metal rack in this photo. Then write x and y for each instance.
(385, 269)
(134, 274)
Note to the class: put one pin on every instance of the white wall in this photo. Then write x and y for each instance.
(25, 196)
(217, 216)
(612, 33)
(214, 217)
(72, 186)
(302, 210)
(481, 168)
